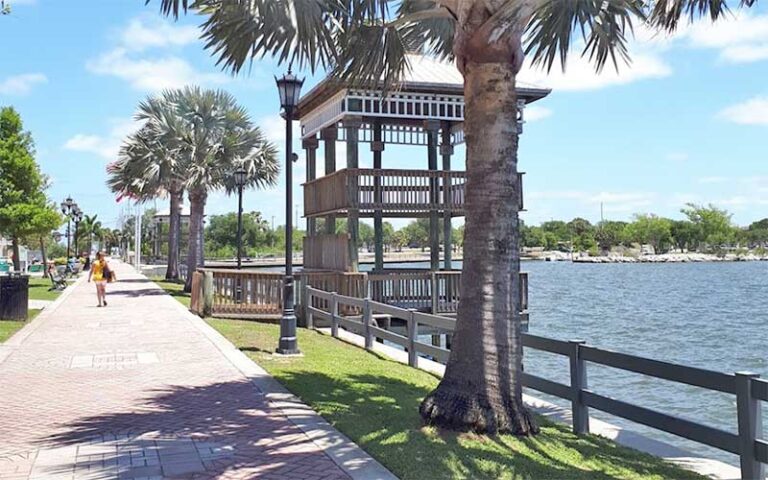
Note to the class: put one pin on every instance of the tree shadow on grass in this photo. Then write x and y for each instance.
(191, 432)
(381, 415)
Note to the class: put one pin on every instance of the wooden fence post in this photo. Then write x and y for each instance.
(579, 411)
(334, 315)
(307, 304)
(207, 293)
(367, 316)
(749, 414)
(413, 329)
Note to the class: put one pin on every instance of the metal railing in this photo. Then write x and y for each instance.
(748, 388)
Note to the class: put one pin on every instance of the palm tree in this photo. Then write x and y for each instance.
(488, 39)
(148, 167)
(90, 229)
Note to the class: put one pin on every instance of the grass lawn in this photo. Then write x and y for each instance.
(8, 327)
(375, 402)
(175, 289)
(38, 289)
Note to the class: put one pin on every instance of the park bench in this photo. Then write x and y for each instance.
(57, 281)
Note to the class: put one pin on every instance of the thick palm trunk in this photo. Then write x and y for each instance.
(174, 234)
(482, 389)
(197, 199)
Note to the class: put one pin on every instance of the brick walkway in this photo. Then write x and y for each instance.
(137, 390)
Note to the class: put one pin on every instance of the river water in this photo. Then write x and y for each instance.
(708, 315)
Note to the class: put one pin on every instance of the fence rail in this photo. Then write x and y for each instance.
(749, 390)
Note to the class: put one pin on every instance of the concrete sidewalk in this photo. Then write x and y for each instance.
(143, 389)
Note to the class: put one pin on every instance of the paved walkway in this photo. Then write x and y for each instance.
(143, 389)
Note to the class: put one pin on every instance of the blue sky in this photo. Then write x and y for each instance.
(688, 121)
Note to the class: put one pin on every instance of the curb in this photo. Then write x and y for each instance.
(347, 455)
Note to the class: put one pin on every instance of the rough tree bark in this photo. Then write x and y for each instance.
(197, 199)
(42, 254)
(16, 259)
(174, 234)
(482, 387)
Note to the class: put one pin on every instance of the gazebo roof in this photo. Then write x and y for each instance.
(431, 84)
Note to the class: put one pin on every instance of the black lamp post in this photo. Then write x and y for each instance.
(77, 217)
(289, 87)
(240, 176)
(66, 210)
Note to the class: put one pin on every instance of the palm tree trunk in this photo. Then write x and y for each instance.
(197, 199)
(174, 234)
(482, 387)
(16, 259)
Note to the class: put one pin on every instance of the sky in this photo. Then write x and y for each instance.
(687, 121)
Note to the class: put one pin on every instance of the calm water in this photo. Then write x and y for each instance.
(708, 315)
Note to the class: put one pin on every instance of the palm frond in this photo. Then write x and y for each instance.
(603, 25)
(667, 14)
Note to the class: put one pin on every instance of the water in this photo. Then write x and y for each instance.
(708, 315)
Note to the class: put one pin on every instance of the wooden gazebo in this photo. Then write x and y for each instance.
(426, 110)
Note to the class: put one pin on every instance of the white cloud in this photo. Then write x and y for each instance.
(106, 146)
(151, 74)
(130, 61)
(711, 180)
(752, 112)
(741, 38)
(612, 201)
(21, 84)
(535, 112)
(580, 73)
(677, 156)
(139, 35)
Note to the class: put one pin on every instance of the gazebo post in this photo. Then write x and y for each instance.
(329, 136)
(310, 145)
(446, 150)
(431, 127)
(377, 147)
(352, 126)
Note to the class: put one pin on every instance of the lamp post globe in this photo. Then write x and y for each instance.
(289, 89)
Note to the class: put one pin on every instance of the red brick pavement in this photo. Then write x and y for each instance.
(135, 390)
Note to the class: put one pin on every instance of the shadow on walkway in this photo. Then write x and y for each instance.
(189, 431)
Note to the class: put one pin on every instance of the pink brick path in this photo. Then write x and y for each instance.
(135, 390)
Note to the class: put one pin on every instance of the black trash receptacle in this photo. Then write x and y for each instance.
(14, 297)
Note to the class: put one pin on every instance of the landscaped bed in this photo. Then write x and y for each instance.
(374, 401)
(9, 327)
(40, 289)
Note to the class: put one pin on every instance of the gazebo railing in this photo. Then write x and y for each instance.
(388, 190)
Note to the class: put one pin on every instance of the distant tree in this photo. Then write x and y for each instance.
(221, 234)
(532, 236)
(653, 230)
(714, 226)
(387, 231)
(609, 234)
(399, 240)
(579, 226)
(685, 235)
(22, 200)
(558, 229)
(90, 229)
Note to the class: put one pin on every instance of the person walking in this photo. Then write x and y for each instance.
(101, 274)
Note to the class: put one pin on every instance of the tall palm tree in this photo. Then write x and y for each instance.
(149, 167)
(488, 39)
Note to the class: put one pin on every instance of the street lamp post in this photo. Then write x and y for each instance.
(289, 88)
(66, 210)
(77, 217)
(240, 176)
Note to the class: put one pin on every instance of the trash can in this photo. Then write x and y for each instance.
(14, 297)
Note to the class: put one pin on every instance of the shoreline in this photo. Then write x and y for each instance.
(673, 258)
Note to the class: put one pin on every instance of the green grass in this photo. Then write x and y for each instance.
(39, 289)
(174, 289)
(375, 402)
(9, 327)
